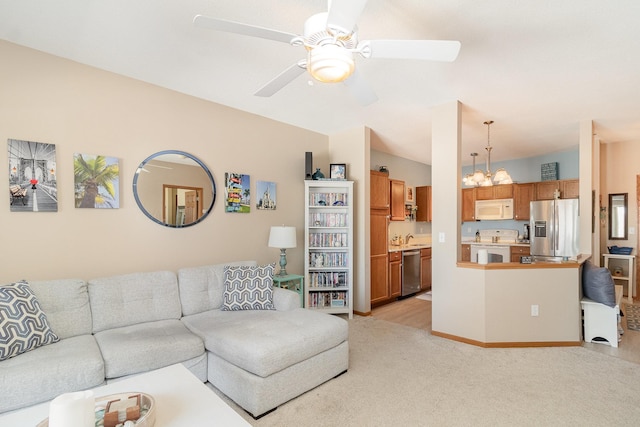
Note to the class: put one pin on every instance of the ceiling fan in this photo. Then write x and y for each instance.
(331, 41)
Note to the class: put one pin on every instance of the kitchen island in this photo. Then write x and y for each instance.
(521, 305)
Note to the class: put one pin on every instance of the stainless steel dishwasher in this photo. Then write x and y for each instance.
(410, 272)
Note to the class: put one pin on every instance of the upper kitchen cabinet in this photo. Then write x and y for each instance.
(469, 204)
(504, 191)
(522, 197)
(397, 199)
(568, 188)
(379, 190)
(423, 203)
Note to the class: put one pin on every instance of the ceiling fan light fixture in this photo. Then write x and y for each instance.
(330, 63)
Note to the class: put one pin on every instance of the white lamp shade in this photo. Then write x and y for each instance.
(330, 63)
(282, 237)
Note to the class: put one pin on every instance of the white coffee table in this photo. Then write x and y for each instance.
(181, 400)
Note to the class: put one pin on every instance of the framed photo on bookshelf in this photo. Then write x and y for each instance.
(338, 171)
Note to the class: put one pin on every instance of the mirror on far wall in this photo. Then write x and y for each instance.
(174, 188)
(618, 214)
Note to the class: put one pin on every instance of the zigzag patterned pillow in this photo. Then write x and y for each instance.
(23, 324)
(248, 288)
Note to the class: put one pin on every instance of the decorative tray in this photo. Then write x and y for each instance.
(147, 409)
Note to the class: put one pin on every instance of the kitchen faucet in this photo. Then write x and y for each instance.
(406, 240)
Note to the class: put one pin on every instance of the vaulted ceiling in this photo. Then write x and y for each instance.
(537, 68)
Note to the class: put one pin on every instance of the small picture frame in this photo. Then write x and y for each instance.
(338, 171)
(410, 196)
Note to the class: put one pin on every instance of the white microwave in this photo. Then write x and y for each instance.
(494, 209)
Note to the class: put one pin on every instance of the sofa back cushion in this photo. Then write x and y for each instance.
(129, 299)
(66, 304)
(201, 288)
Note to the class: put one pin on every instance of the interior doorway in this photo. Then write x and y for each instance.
(181, 205)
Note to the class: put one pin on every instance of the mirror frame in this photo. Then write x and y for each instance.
(181, 153)
(626, 216)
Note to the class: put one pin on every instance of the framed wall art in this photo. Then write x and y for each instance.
(96, 181)
(409, 197)
(237, 192)
(266, 195)
(33, 183)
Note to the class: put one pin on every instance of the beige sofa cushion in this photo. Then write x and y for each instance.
(265, 342)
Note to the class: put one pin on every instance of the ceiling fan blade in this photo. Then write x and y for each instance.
(283, 79)
(343, 14)
(243, 29)
(431, 50)
(360, 89)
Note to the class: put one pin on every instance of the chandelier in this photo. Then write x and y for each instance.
(486, 179)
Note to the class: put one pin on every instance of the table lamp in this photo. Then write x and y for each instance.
(283, 238)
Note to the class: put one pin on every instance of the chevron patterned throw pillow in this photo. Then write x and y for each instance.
(23, 324)
(248, 288)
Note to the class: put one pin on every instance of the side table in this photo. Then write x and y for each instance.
(292, 282)
(630, 270)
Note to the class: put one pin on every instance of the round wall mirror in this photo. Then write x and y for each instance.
(174, 188)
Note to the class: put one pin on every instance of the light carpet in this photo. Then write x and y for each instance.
(401, 376)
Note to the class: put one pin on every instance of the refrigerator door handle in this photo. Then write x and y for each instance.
(556, 231)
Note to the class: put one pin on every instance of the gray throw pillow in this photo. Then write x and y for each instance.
(597, 284)
(23, 324)
(248, 288)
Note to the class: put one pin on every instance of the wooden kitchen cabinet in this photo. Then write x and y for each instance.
(423, 203)
(396, 191)
(469, 204)
(465, 253)
(379, 241)
(395, 274)
(379, 258)
(425, 269)
(523, 195)
(518, 251)
(569, 189)
(379, 185)
(504, 191)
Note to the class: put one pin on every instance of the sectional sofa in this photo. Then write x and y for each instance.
(118, 326)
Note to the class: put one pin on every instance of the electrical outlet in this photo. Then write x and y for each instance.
(534, 310)
(468, 229)
(441, 237)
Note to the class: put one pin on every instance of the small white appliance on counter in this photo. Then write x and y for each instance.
(494, 209)
(496, 243)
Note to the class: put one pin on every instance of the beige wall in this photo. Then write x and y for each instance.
(619, 167)
(353, 148)
(82, 109)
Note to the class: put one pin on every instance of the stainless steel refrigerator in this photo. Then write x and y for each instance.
(554, 228)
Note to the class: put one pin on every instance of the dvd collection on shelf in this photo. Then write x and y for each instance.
(324, 219)
(325, 240)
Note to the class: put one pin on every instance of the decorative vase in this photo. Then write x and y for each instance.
(317, 174)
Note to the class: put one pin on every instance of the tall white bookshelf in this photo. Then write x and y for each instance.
(328, 285)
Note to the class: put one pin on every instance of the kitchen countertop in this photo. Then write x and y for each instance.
(507, 243)
(409, 247)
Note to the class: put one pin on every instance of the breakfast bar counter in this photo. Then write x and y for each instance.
(521, 305)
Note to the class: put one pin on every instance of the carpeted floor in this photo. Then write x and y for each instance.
(632, 314)
(403, 376)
